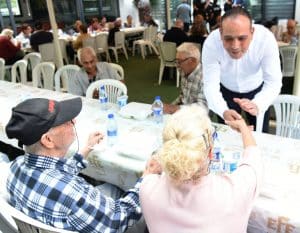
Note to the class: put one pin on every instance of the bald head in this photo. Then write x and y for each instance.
(291, 26)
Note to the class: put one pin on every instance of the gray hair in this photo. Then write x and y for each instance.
(190, 49)
(85, 50)
(35, 148)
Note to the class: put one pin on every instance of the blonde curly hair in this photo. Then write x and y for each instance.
(187, 138)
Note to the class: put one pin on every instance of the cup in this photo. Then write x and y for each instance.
(122, 101)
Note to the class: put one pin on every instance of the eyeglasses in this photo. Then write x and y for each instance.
(180, 61)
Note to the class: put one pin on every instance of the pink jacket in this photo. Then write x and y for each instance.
(216, 204)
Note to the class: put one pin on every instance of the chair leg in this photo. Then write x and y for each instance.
(107, 56)
(155, 49)
(161, 72)
(125, 52)
(143, 51)
(133, 49)
(177, 78)
(116, 55)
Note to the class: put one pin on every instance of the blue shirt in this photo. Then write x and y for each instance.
(49, 190)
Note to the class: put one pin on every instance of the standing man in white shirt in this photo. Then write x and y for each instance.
(241, 68)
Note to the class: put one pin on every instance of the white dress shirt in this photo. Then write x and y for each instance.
(260, 64)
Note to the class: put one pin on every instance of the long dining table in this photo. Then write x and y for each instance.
(275, 210)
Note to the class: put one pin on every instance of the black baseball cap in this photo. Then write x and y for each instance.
(32, 118)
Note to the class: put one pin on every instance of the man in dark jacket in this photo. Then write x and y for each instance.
(176, 33)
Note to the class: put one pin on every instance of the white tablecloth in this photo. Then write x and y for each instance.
(276, 209)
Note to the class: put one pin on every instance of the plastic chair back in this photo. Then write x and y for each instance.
(288, 56)
(287, 112)
(63, 47)
(62, 76)
(89, 42)
(47, 52)
(19, 71)
(43, 75)
(33, 59)
(102, 45)
(167, 51)
(118, 68)
(113, 88)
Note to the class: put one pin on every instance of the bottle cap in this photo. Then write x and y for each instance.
(157, 97)
(102, 87)
(110, 115)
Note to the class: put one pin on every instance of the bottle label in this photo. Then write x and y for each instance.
(157, 111)
(111, 133)
(103, 100)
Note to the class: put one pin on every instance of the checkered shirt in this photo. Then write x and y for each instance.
(49, 190)
(192, 89)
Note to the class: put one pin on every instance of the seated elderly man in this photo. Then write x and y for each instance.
(291, 35)
(188, 63)
(91, 71)
(45, 184)
(176, 33)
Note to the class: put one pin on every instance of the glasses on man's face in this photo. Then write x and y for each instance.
(181, 61)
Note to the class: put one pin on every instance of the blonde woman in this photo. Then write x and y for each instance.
(186, 197)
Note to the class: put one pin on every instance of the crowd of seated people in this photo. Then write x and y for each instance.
(181, 166)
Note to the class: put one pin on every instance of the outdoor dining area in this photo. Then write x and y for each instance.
(129, 125)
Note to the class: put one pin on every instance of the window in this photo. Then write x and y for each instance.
(15, 5)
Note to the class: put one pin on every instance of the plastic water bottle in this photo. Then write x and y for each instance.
(103, 98)
(216, 164)
(157, 109)
(112, 130)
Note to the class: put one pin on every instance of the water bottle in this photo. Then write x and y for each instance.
(216, 164)
(103, 98)
(157, 110)
(112, 130)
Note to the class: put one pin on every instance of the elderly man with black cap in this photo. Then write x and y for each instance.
(45, 185)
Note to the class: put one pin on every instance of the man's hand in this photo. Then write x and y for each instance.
(231, 115)
(247, 105)
(152, 167)
(94, 138)
(170, 108)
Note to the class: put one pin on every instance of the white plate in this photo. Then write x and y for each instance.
(136, 110)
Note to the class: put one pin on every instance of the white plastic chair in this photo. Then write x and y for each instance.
(33, 59)
(89, 42)
(288, 56)
(113, 88)
(2, 68)
(119, 69)
(62, 75)
(149, 38)
(101, 45)
(63, 47)
(47, 52)
(43, 75)
(119, 44)
(287, 114)
(167, 52)
(19, 72)
(25, 224)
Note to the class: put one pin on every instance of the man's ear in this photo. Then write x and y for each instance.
(46, 141)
